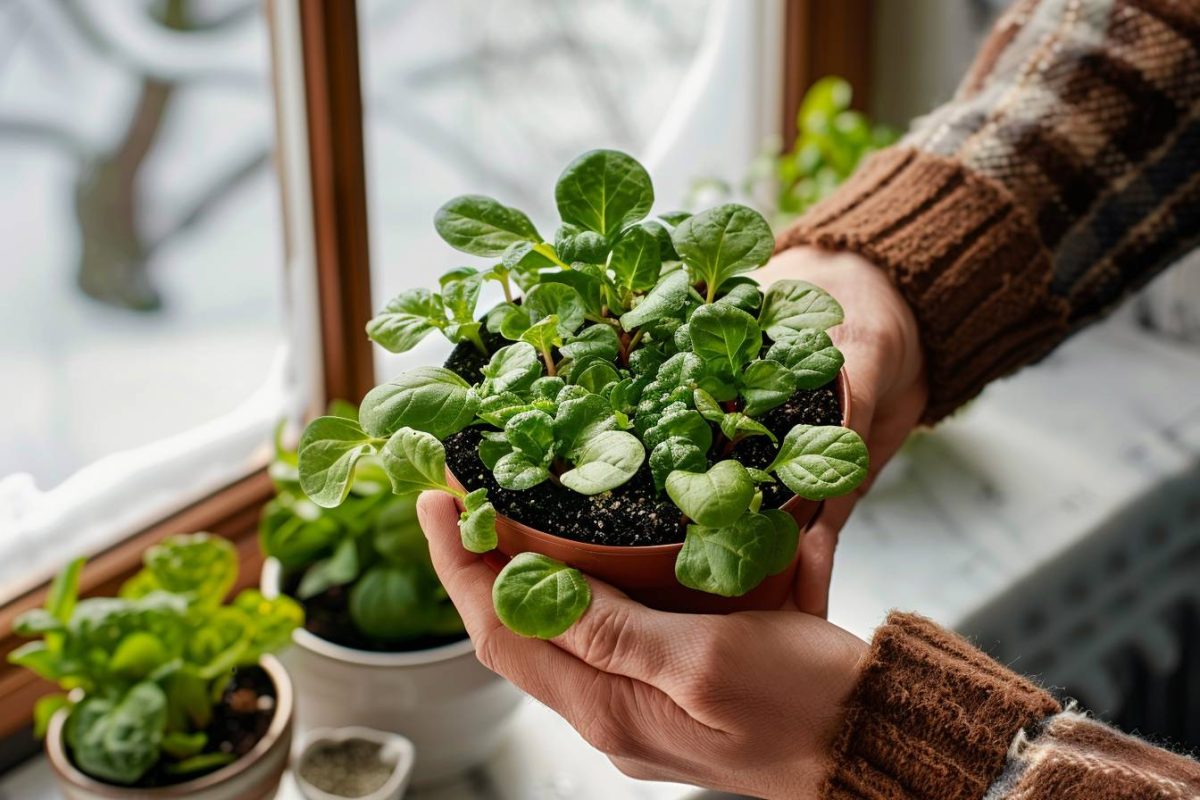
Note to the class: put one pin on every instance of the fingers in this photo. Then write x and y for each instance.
(616, 714)
(815, 570)
(615, 635)
(623, 637)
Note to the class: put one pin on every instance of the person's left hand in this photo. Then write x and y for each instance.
(745, 703)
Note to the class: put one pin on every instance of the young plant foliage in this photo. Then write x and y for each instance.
(640, 351)
(146, 669)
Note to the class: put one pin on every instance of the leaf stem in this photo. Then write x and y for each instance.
(507, 287)
(548, 251)
(637, 338)
(477, 340)
(711, 293)
(549, 360)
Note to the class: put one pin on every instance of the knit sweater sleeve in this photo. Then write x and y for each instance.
(1063, 175)
(931, 718)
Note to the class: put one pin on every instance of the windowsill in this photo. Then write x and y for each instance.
(118, 495)
(542, 758)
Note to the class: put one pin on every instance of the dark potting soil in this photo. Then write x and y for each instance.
(806, 407)
(634, 514)
(240, 720)
(327, 615)
(466, 359)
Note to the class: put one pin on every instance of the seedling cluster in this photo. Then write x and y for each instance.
(370, 547)
(636, 341)
(145, 669)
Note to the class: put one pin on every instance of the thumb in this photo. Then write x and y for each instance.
(817, 547)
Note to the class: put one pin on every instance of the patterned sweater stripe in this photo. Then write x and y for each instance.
(1059, 179)
(934, 719)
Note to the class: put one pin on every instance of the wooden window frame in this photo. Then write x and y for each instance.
(825, 37)
(337, 178)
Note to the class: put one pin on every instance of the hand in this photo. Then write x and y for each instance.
(745, 703)
(886, 369)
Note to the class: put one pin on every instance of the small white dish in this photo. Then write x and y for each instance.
(394, 750)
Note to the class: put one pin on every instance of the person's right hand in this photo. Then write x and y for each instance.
(885, 366)
(746, 702)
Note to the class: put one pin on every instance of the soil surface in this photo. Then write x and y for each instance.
(327, 615)
(352, 768)
(240, 720)
(466, 359)
(633, 514)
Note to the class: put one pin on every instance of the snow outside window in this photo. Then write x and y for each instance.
(143, 355)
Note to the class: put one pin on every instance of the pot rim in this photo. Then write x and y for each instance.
(270, 582)
(66, 771)
(842, 389)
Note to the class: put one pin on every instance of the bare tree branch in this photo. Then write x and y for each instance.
(169, 56)
(45, 132)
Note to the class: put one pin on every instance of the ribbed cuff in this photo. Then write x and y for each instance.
(931, 718)
(967, 259)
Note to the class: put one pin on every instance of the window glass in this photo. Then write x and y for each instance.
(141, 333)
(496, 98)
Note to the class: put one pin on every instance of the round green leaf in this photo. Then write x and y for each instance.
(603, 462)
(431, 399)
(328, 451)
(636, 259)
(519, 472)
(572, 243)
(603, 191)
(722, 242)
(555, 299)
(666, 299)
(733, 559)
(388, 603)
(512, 368)
(406, 320)
(477, 524)
(675, 453)
(793, 306)
(819, 461)
(414, 461)
(765, 385)
(536, 596)
(810, 355)
(482, 226)
(725, 337)
(715, 498)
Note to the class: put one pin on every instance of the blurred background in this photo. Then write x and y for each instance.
(157, 315)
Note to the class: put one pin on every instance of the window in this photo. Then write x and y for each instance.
(142, 337)
(181, 272)
(507, 94)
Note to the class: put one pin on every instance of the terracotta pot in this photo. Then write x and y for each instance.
(455, 711)
(254, 776)
(648, 573)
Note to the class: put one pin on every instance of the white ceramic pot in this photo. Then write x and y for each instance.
(254, 776)
(455, 711)
(396, 751)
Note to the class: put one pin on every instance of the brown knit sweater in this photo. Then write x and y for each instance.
(1063, 175)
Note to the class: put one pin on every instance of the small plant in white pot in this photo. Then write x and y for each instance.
(169, 691)
(382, 645)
